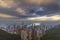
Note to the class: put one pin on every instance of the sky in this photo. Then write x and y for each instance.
(30, 10)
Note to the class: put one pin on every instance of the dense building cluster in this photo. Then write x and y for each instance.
(31, 34)
(28, 33)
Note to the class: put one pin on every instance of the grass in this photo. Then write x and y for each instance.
(52, 34)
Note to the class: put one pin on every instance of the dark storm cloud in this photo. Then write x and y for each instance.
(13, 13)
(48, 9)
(51, 8)
(9, 12)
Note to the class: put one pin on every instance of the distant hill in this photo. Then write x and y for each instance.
(6, 36)
(52, 34)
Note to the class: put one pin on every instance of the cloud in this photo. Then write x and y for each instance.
(10, 12)
(56, 17)
(38, 2)
(7, 3)
(6, 16)
(21, 11)
(45, 18)
(46, 9)
(18, 9)
(38, 19)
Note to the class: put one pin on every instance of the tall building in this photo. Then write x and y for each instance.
(34, 33)
(38, 35)
(24, 33)
(29, 34)
(44, 28)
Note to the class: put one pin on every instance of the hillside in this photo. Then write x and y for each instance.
(6, 36)
(52, 34)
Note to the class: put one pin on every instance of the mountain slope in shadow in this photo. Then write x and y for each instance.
(6, 36)
(52, 34)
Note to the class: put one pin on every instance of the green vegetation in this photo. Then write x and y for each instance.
(52, 34)
(6, 36)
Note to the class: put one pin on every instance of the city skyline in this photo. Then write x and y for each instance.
(29, 19)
